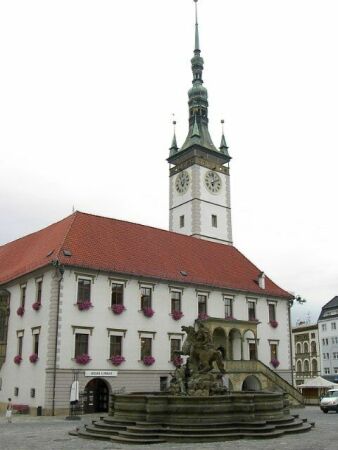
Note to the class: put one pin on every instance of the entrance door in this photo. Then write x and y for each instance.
(252, 351)
(96, 396)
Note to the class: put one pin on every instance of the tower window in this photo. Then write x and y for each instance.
(181, 221)
(214, 221)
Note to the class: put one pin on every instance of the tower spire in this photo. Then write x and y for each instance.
(197, 37)
(223, 147)
(173, 149)
(198, 134)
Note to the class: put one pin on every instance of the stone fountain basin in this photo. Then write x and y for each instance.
(235, 406)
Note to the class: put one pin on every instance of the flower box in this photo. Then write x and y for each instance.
(84, 306)
(83, 359)
(18, 359)
(118, 309)
(36, 306)
(177, 361)
(203, 316)
(275, 363)
(273, 323)
(116, 360)
(20, 311)
(148, 312)
(33, 358)
(177, 315)
(148, 360)
(229, 317)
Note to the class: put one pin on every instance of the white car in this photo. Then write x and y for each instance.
(330, 401)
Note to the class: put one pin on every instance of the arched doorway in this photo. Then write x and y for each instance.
(235, 339)
(96, 396)
(249, 346)
(251, 383)
(219, 341)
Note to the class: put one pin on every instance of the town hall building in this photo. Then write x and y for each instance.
(102, 301)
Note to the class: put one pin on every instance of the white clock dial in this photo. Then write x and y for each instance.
(182, 182)
(213, 182)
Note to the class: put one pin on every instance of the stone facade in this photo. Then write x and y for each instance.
(306, 353)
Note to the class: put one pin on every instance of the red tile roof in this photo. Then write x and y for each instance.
(111, 245)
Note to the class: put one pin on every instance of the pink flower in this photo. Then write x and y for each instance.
(203, 316)
(36, 306)
(274, 362)
(20, 311)
(83, 359)
(148, 312)
(18, 359)
(177, 361)
(85, 305)
(274, 323)
(118, 309)
(177, 315)
(229, 317)
(148, 360)
(117, 360)
(33, 358)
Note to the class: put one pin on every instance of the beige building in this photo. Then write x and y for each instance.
(306, 352)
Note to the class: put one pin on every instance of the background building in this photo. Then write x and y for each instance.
(306, 353)
(328, 338)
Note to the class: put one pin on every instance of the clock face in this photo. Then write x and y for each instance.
(182, 182)
(213, 182)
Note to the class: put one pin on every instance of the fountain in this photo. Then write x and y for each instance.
(197, 407)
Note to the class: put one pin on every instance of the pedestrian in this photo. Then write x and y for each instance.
(9, 410)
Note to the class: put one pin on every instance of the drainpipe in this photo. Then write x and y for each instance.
(290, 337)
(61, 271)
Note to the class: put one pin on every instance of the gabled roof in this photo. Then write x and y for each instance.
(330, 309)
(110, 245)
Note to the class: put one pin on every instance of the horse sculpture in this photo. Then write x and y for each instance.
(201, 351)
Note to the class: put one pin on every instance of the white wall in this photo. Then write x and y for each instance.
(100, 317)
(26, 375)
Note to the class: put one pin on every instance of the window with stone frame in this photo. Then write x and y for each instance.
(181, 221)
(36, 340)
(83, 290)
(117, 294)
(23, 296)
(176, 301)
(202, 303)
(38, 291)
(175, 346)
(273, 351)
(20, 344)
(145, 297)
(272, 312)
(146, 347)
(228, 306)
(252, 310)
(81, 344)
(115, 345)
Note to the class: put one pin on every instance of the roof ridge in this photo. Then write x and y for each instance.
(66, 233)
(182, 236)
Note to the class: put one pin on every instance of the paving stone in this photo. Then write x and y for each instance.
(51, 433)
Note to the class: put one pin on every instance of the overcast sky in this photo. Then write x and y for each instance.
(87, 93)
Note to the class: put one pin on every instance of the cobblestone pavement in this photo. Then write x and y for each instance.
(50, 433)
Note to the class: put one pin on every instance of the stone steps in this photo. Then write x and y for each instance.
(153, 433)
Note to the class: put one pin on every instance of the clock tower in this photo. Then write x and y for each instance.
(199, 176)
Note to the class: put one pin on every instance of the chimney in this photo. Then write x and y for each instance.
(261, 280)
